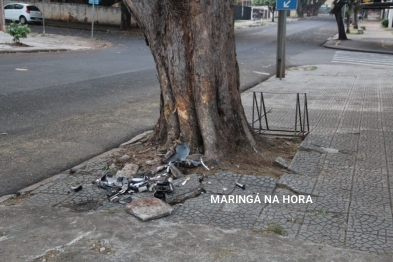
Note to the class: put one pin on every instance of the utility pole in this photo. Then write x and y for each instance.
(43, 17)
(2, 21)
(281, 33)
(282, 6)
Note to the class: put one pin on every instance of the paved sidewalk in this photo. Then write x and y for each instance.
(345, 163)
(48, 43)
(345, 166)
(375, 39)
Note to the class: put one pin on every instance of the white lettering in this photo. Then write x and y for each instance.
(257, 200)
(309, 199)
(249, 199)
(224, 199)
(285, 198)
(294, 199)
(275, 199)
(231, 199)
(242, 199)
(214, 200)
(301, 199)
(268, 199)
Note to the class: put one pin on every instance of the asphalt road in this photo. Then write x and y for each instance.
(70, 106)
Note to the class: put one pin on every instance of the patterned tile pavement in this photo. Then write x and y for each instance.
(344, 165)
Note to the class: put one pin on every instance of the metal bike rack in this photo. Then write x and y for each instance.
(260, 121)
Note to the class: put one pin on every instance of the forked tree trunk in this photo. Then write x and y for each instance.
(193, 45)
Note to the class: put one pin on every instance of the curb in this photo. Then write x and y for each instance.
(357, 49)
(35, 51)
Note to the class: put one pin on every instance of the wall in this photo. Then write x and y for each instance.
(76, 12)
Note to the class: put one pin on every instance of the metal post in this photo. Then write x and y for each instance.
(281, 32)
(92, 21)
(43, 16)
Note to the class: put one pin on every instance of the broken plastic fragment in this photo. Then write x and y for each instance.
(77, 188)
(160, 195)
(185, 181)
(240, 186)
(125, 200)
(203, 164)
(181, 153)
(175, 171)
(165, 187)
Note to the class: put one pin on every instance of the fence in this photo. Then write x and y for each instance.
(76, 12)
(242, 12)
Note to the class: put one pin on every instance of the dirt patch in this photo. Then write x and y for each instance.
(15, 200)
(149, 157)
(100, 247)
(16, 44)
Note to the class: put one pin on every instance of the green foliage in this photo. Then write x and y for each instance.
(348, 12)
(276, 228)
(17, 31)
(265, 2)
(385, 22)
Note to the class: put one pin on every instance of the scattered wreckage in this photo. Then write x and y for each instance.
(166, 183)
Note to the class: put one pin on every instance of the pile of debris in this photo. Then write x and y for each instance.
(160, 182)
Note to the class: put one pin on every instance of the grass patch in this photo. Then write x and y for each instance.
(320, 213)
(275, 228)
(310, 68)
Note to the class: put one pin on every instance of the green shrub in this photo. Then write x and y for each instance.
(385, 22)
(17, 31)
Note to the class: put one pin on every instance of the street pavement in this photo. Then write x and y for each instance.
(344, 165)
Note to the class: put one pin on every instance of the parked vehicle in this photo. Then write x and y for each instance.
(24, 13)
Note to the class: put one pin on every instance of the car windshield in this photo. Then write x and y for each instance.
(33, 8)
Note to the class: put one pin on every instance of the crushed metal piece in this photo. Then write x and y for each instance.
(240, 186)
(77, 188)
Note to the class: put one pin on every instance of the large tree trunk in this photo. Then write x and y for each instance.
(338, 5)
(193, 45)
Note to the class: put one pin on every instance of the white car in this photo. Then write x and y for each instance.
(24, 13)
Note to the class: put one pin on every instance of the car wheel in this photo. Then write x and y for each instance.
(22, 20)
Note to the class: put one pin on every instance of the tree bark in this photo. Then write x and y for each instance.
(2, 22)
(338, 5)
(348, 24)
(193, 45)
(272, 9)
(355, 19)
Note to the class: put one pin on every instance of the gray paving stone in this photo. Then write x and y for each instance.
(329, 204)
(184, 188)
(370, 243)
(306, 163)
(289, 220)
(198, 210)
(283, 201)
(298, 183)
(327, 228)
(255, 185)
